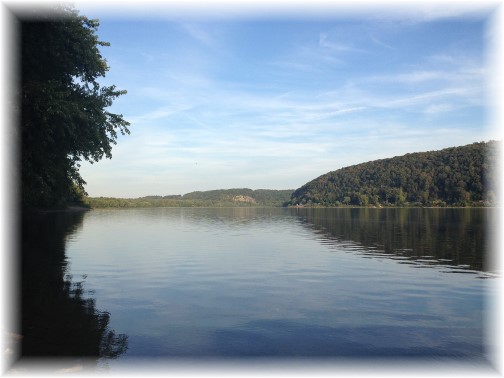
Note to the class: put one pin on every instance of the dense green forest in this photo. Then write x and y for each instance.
(211, 198)
(457, 176)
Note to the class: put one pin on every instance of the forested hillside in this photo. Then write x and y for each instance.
(459, 176)
(264, 197)
(211, 198)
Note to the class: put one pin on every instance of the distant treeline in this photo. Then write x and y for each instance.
(212, 198)
(458, 176)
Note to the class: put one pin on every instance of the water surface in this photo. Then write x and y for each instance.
(248, 282)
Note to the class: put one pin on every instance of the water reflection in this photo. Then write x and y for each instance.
(58, 319)
(277, 282)
(456, 239)
(286, 338)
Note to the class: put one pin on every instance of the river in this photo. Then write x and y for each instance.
(251, 283)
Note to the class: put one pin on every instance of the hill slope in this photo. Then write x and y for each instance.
(260, 197)
(210, 198)
(453, 176)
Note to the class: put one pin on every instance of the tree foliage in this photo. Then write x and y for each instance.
(454, 176)
(64, 116)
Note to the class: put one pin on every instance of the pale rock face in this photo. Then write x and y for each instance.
(241, 198)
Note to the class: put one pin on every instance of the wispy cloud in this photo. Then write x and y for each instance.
(406, 13)
(325, 43)
(157, 114)
(415, 77)
(440, 108)
(381, 43)
(427, 97)
(315, 56)
(438, 70)
(199, 33)
(299, 102)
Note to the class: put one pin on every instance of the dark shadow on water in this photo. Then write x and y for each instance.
(58, 319)
(456, 238)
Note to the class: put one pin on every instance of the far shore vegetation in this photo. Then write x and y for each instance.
(454, 177)
(211, 198)
(148, 202)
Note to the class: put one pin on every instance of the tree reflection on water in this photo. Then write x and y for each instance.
(456, 237)
(57, 319)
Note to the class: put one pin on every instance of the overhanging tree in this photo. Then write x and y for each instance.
(64, 116)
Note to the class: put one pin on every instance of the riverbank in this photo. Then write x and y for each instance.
(70, 208)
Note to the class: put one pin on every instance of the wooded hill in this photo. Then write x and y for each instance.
(457, 176)
(211, 198)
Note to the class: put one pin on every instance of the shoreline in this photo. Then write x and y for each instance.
(69, 209)
(282, 207)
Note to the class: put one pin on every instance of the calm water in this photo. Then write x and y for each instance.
(246, 282)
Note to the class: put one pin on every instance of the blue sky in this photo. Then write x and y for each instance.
(272, 101)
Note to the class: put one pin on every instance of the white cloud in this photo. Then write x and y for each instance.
(419, 12)
(440, 108)
(461, 75)
(200, 34)
(381, 43)
(157, 114)
(427, 97)
(416, 77)
(324, 42)
(200, 122)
